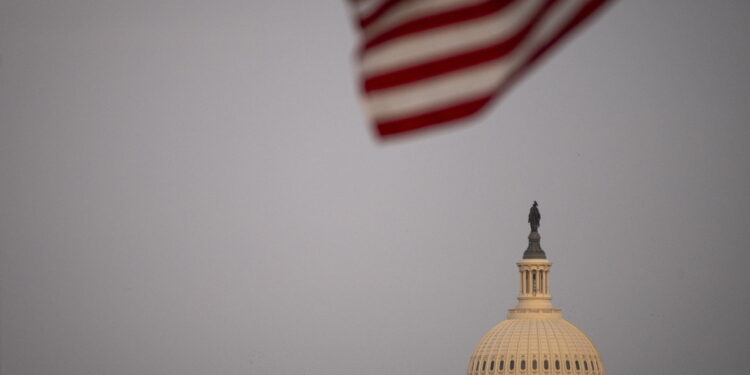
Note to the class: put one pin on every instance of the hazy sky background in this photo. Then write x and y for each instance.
(191, 187)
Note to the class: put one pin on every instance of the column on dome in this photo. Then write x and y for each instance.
(528, 282)
(544, 282)
(541, 281)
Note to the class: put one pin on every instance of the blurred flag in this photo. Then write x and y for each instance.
(432, 62)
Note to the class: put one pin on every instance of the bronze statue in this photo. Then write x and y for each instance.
(534, 217)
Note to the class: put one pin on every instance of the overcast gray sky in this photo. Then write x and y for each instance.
(191, 187)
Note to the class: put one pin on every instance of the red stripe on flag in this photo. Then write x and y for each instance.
(386, 6)
(437, 20)
(436, 117)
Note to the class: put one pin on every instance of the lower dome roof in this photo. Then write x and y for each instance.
(547, 346)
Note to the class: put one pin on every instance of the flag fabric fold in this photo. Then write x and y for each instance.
(425, 63)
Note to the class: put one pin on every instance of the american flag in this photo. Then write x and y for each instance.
(433, 62)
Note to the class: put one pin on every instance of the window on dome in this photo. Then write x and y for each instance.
(492, 366)
(585, 365)
(567, 365)
(477, 366)
(546, 364)
(484, 365)
(557, 364)
(512, 364)
(578, 366)
(502, 365)
(523, 364)
(533, 364)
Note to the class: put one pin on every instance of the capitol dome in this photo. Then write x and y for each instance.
(535, 339)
